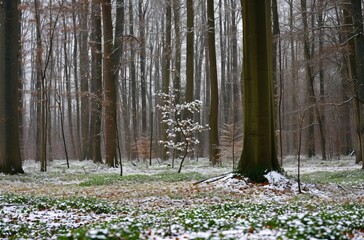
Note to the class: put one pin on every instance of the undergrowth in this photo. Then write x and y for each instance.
(233, 221)
(349, 177)
(295, 220)
(108, 179)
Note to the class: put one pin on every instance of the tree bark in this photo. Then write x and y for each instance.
(3, 157)
(96, 83)
(259, 153)
(167, 62)
(10, 157)
(309, 83)
(214, 108)
(358, 73)
(143, 87)
(178, 43)
(190, 51)
(84, 79)
(109, 86)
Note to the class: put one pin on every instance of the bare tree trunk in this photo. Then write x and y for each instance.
(143, 88)
(10, 157)
(3, 158)
(109, 86)
(235, 77)
(277, 73)
(190, 51)
(96, 83)
(84, 78)
(39, 60)
(293, 141)
(225, 84)
(167, 61)
(309, 80)
(133, 79)
(358, 74)
(68, 90)
(214, 109)
(259, 153)
(319, 111)
(118, 53)
(178, 42)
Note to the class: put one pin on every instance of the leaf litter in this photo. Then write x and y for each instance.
(224, 207)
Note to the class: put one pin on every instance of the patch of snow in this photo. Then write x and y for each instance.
(274, 177)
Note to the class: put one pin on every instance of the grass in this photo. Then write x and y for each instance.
(233, 220)
(297, 220)
(87, 204)
(347, 177)
(297, 217)
(109, 179)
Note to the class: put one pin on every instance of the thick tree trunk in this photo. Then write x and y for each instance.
(10, 157)
(259, 151)
(358, 74)
(3, 160)
(356, 8)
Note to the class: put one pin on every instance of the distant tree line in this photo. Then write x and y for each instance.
(88, 74)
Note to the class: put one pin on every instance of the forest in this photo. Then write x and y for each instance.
(162, 45)
(179, 119)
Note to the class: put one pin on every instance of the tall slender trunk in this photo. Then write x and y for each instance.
(39, 64)
(68, 90)
(235, 77)
(225, 89)
(319, 114)
(119, 65)
(190, 51)
(96, 83)
(309, 82)
(167, 53)
(84, 80)
(109, 86)
(143, 87)
(214, 109)
(133, 82)
(178, 44)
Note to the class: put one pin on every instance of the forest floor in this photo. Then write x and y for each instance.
(92, 201)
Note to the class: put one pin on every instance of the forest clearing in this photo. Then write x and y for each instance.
(92, 201)
(116, 81)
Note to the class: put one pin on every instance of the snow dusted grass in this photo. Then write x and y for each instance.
(91, 201)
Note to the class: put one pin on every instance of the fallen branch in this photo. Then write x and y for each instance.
(213, 179)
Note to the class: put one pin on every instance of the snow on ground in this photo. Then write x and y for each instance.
(310, 165)
(61, 181)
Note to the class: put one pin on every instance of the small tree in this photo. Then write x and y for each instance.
(180, 132)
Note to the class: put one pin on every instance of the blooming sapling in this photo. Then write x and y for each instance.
(181, 128)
